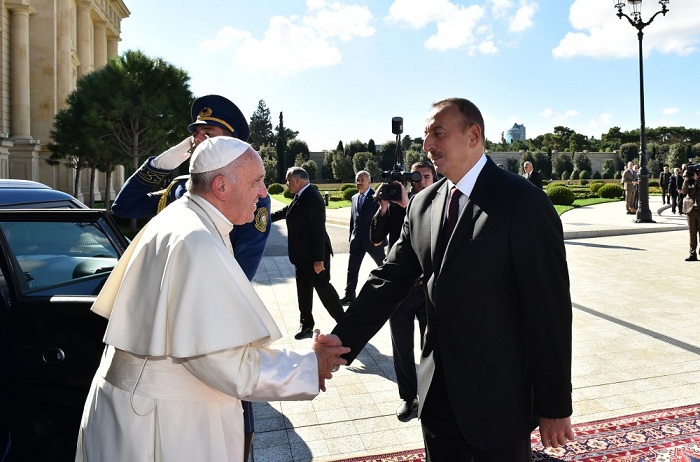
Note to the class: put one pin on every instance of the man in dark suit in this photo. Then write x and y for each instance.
(530, 173)
(309, 249)
(496, 360)
(361, 212)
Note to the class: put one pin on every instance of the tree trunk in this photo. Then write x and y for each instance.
(91, 201)
(76, 183)
(108, 181)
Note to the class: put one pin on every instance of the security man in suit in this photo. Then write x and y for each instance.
(142, 195)
(496, 359)
(362, 210)
(530, 173)
(309, 250)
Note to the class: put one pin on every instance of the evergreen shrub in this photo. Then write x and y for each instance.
(345, 186)
(349, 192)
(275, 188)
(610, 191)
(559, 194)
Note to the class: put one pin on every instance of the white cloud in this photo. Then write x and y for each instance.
(457, 30)
(419, 13)
(670, 111)
(559, 117)
(294, 44)
(501, 8)
(522, 20)
(600, 33)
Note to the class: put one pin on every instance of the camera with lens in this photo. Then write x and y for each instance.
(396, 176)
(690, 171)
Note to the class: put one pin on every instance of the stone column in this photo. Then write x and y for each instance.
(100, 44)
(112, 47)
(20, 98)
(85, 49)
(64, 61)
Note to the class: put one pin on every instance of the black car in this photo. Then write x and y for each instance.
(26, 194)
(53, 263)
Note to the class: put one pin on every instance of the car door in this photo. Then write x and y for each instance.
(52, 266)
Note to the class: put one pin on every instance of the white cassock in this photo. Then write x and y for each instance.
(187, 339)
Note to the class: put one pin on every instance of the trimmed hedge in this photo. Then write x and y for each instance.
(349, 192)
(288, 194)
(595, 186)
(610, 191)
(275, 188)
(559, 194)
(345, 186)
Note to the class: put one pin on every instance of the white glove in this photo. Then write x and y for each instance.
(173, 157)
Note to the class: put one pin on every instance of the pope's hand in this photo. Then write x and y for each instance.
(175, 156)
(328, 349)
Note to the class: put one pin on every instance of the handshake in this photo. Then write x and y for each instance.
(328, 349)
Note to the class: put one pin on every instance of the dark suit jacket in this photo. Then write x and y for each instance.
(535, 178)
(360, 221)
(499, 309)
(306, 228)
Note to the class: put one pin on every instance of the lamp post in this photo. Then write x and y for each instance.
(635, 7)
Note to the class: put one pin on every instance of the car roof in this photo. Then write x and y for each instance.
(32, 194)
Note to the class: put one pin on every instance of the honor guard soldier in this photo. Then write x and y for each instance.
(142, 195)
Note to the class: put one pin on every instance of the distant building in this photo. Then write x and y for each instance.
(517, 133)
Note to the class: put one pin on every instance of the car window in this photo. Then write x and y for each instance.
(57, 254)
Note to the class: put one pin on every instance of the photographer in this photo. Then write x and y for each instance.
(690, 208)
(388, 221)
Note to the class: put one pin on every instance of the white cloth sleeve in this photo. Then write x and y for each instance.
(173, 157)
(258, 374)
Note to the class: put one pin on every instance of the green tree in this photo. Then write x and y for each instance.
(387, 155)
(406, 142)
(340, 147)
(353, 147)
(561, 162)
(297, 149)
(342, 167)
(311, 168)
(543, 164)
(281, 147)
(261, 127)
(366, 161)
(582, 162)
(371, 146)
(629, 151)
(135, 106)
(676, 155)
(269, 157)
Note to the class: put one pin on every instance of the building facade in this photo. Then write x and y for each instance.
(45, 46)
(517, 133)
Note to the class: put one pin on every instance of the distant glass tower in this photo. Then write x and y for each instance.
(517, 133)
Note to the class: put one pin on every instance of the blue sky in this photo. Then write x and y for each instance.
(340, 70)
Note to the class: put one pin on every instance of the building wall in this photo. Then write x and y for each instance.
(45, 45)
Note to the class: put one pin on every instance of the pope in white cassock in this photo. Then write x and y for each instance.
(188, 337)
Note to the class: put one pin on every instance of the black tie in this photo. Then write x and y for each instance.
(452, 215)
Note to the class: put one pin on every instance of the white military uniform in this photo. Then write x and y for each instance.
(187, 338)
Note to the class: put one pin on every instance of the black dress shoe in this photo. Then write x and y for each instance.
(304, 332)
(692, 257)
(407, 410)
(347, 300)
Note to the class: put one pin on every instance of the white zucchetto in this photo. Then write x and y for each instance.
(214, 153)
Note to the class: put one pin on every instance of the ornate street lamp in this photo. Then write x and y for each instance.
(635, 18)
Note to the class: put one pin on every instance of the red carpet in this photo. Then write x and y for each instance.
(667, 435)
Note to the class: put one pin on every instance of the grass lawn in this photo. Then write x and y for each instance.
(582, 203)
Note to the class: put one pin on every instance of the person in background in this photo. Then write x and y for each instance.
(496, 358)
(362, 210)
(664, 181)
(188, 337)
(142, 196)
(690, 208)
(675, 186)
(532, 175)
(388, 221)
(310, 250)
(629, 182)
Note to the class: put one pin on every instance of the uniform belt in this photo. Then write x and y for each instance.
(159, 378)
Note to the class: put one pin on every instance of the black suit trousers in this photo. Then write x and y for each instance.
(402, 323)
(445, 443)
(307, 281)
(355, 262)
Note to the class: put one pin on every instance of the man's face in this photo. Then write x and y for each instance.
(665, 169)
(452, 150)
(527, 168)
(201, 132)
(293, 184)
(426, 179)
(246, 180)
(362, 183)
(630, 165)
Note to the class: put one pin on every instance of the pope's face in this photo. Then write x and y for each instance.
(247, 185)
